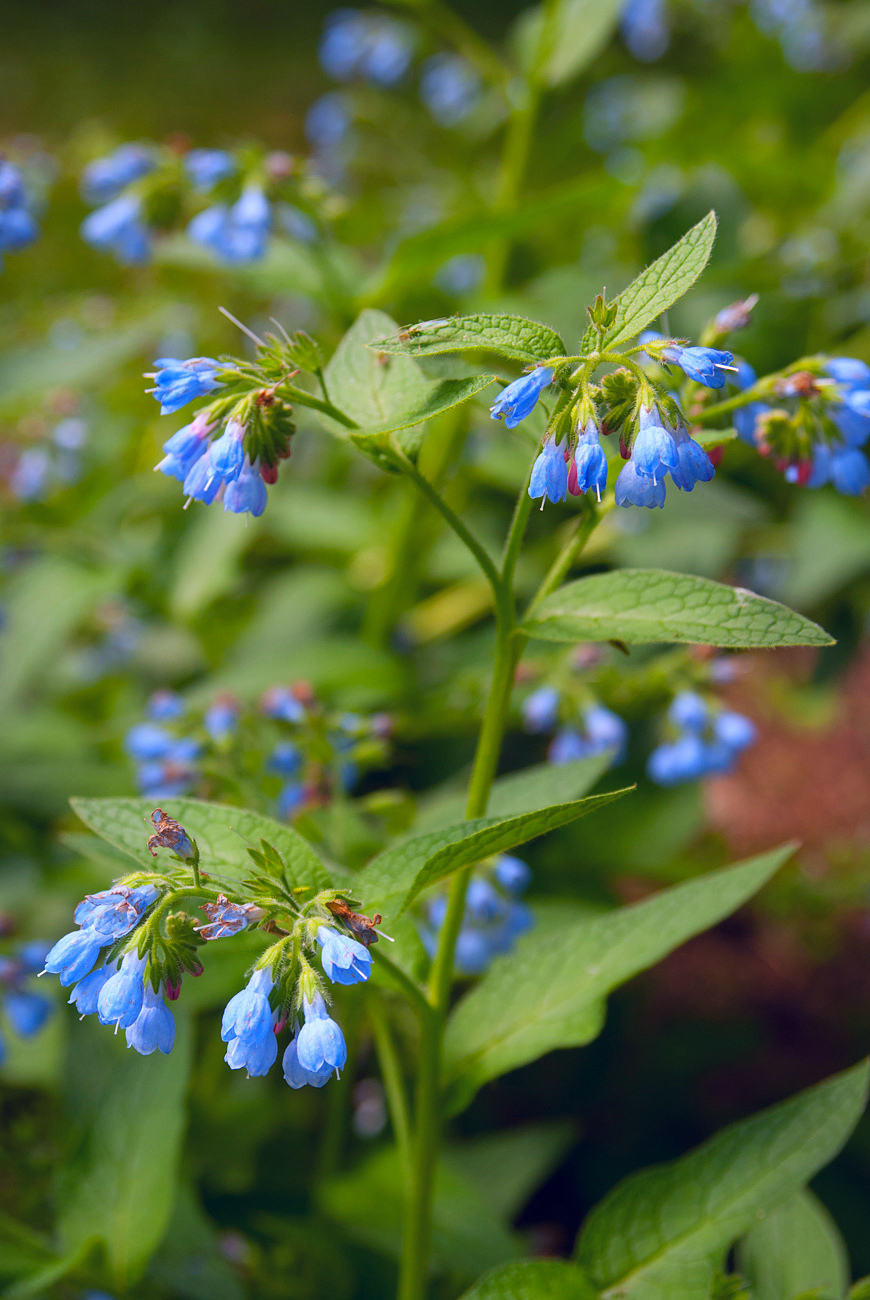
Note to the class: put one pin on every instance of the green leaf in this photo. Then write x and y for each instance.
(550, 991)
(208, 558)
(513, 337)
(120, 1185)
(434, 399)
(190, 1262)
(653, 605)
(221, 832)
(661, 284)
(533, 1279)
(507, 1167)
(580, 30)
(663, 1232)
(467, 1237)
(404, 871)
(526, 791)
(794, 1249)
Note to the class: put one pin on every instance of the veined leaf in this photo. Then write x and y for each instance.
(649, 605)
(404, 871)
(549, 992)
(533, 1279)
(661, 285)
(434, 399)
(221, 832)
(508, 336)
(795, 1249)
(663, 1232)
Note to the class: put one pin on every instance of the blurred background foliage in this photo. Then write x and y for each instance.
(110, 590)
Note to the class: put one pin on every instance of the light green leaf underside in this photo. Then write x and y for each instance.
(222, 833)
(795, 1249)
(535, 787)
(580, 31)
(663, 1232)
(509, 336)
(663, 283)
(653, 605)
(533, 1279)
(549, 992)
(434, 399)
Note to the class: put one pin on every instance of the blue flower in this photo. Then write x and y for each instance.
(165, 779)
(549, 479)
(365, 45)
(17, 229)
(681, 760)
(705, 748)
(636, 489)
(202, 482)
(645, 29)
(328, 121)
(567, 746)
(345, 960)
(512, 873)
(285, 760)
(519, 398)
(238, 233)
(74, 955)
(689, 711)
(102, 179)
(221, 719)
(483, 902)
(247, 494)
(206, 167)
(588, 467)
(165, 705)
(602, 730)
(86, 993)
(296, 1076)
(655, 448)
(117, 227)
(248, 1026)
(541, 710)
(849, 372)
(146, 740)
(280, 702)
(705, 365)
(320, 1042)
(734, 730)
(849, 470)
(184, 448)
(449, 87)
(291, 798)
(154, 1027)
(226, 454)
(120, 999)
(114, 912)
(694, 465)
(178, 382)
(30, 480)
(27, 1012)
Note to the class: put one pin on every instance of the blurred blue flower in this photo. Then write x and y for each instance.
(449, 87)
(106, 177)
(367, 46)
(118, 228)
(221, 718)
(206, 167)
(540, 710)
(645, 29)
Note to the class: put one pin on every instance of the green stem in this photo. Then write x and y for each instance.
(515, 159)
(730, 404)
(405, 984)
(391, 1076)
(300, 396)
(477, 550)
(572, 549)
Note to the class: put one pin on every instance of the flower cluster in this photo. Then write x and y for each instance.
(493, 920)
(305, 753)
(17, 226)
(56, 462)
(141, 190)
(25, 1011)
(704, 741)
(815, 431)
(599, 729)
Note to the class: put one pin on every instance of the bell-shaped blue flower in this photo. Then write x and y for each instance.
(588, 469)
(849, 372)
(449, 87)
(17, 229)
(226, 918)
(117, 227)
(518, 400)
(247, 494)
(227, 453)
(154, 1027)
(206, 167)
(291, 798)
(221, 718)
(296, 1076)
(102, 179)
(165, 706)
(512, 873)
(706, 366)
(655, 448)
(147, 741)
(73, 956)
(85, 994)
(605, 730)
(178, 382)
(345, 960)
(248, 1013)
(203, 483)
(320, 1042)
(483, 902)
(540, 710)
(549, 479)
(635, 489)
(849, 470)
(567, 746)
(681, 760)
(734, 730)
(280, 702)
(285, 759)
(120, 999)
(113, 912)
(254, 1053)
(694, 465)
(27, 1012)
(689, 711)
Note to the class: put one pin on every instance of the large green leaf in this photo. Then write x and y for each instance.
(533, 1279)
(222, 833)
(508, 336)
(795, 1249)
(663, 283)
(648, 605)
(519, 792)
(402, 872)
(121, 1183)
(578, 31)
(467, 1236)
(662, 1233)
(550, 991)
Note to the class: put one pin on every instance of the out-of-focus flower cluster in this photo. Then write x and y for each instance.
(494, 916)
(23, 1011)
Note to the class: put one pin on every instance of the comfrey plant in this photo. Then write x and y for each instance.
(625, 419)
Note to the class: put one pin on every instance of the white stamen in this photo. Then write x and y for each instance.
(718, 366)
(388, 937)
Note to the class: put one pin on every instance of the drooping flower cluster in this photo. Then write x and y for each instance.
(818, 426)
(598, 731)
(704, 741)
(24, 1010)
(494, 917)
(306, 753)
(17, 226)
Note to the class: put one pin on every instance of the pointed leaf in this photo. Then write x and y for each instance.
(549, 992)
(513, 337)
(664, 1232)
(533, 1279)
(795, 1249)
(654, 605)
(222, 833)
